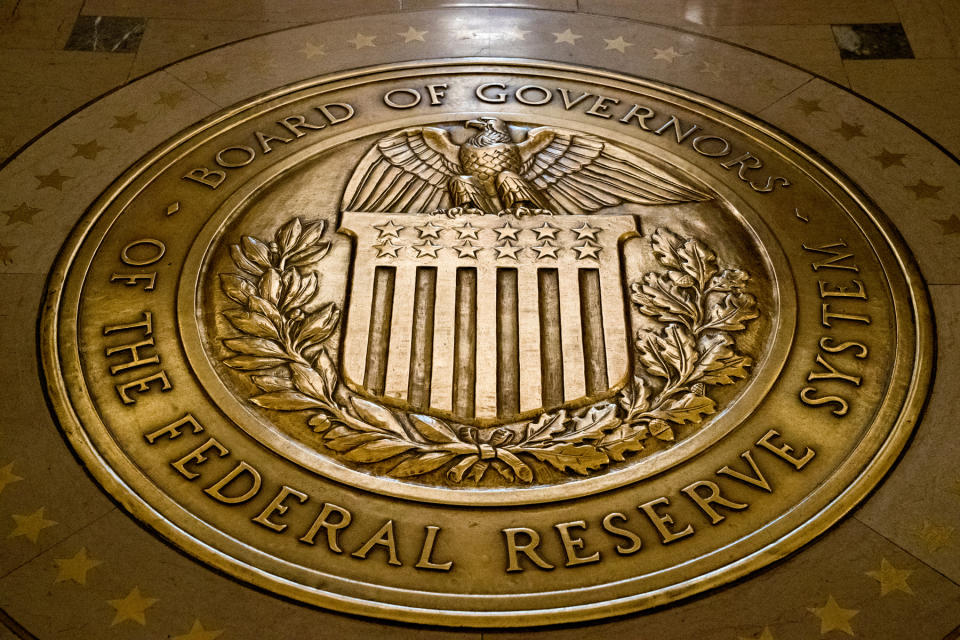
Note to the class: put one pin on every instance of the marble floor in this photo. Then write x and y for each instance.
(873, 85)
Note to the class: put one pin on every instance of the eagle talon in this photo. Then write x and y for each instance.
(524, 211)
(453, 212)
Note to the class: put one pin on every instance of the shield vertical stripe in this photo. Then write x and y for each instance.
(591, 323)
(401, 331)
(421, 345)
(529, 325)
(444, 318)
(614, 322)
(486, 399)
(358, 324)
(508, 344)
(570, 332)
(465, 345)
(551, 345)
(378, 341)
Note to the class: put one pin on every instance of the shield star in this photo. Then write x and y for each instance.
(587, 250)
(30, 526)
(21, 213)
(412, 34)
(586, 232)
(891, 578)
(75, 568)
(617, 44)
(506, 232)
(360, 41)
(546, 230)
(833, 617)
(54, 180)
(467, 249)
(569, 37)
(198, 632)
(7, 476)
(508, 250)
(466, 230)
(427, 249)
(389, 229)
(429, 230)
(387, 248)
(545, 250)
(132, 607)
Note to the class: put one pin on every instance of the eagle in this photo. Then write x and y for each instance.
(551, 170)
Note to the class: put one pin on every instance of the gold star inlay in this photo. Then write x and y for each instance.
(429, 230)
(923, 190)
(389, 229)
(808, 107)
(934, 536)
(617, 44)
(833, 617)
(7, 476)
(713, 68)
(849, 131)
(891, 578)
(128, 122)
(311, 50)
(387, 248)
(169, 100)
(88, 150)
(75, 568)
(411, 35)
(214, 79)
(427, 248)
(198, 632)
(360, 41)
(132, 607)
(568, 37)
(30, 526)
(21, 213)
(889, 159)
(669, 54)
(950, 226)
(53, 180)
(515, 33)
(467, 249)
(507, 250)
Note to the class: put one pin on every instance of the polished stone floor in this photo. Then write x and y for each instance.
(72, 565)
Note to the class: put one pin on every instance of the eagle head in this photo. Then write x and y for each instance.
(492, 131)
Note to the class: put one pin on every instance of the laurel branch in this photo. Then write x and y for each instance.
(284, 347)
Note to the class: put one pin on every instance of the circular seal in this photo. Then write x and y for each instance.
(486, 344)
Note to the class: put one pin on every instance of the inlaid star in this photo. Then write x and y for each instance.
(467, 249)
(169, 100)
(766, 634)
(849, 131)
(427, 248)
(545, 250)
(7, 476)
(546, 230)
(466, 230)
(515, 33)
(934, 536)
(54, 180)
(132, 607)
(412, 34)
(389, 229)
(669, 54)
(128, 122)
(360, 41)
(891, 578)
(311, 50)
(834, 617)
(950, 226)
(506, 232)
(429, 230)
(5, 250)
(586, 232)
(507, 250)
(808, 107)
(587, 250)
(214, 79)
(567, 36)
(197, 632)
(923, 190)
(889, 159)
(75, 568)
(713, 68)
(387, 248)
(30, 526)
(617, 44)
(88, 150)
(21, 213)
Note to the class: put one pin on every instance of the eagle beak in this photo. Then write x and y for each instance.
(477, 124)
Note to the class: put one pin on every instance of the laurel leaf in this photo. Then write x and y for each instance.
(251, 323)
(289, 234)
(343, 443)
(256, 304)
(580, 459)
(328, 370)
(419, 465)
(378, 416)
(237, 288)
(432, 429)
(272, 383)
(377, 450)
(517, 466)
(253, 363)
(311, 233)
(308, 381)
(309, 256)
(689, 407)
(270, 286)
(320, 423)
(318, 326)
(255, 347)
(243, 262)
(285, 401)
(256, 251)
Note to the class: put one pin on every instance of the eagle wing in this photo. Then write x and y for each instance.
(581, 173)
(406, 171)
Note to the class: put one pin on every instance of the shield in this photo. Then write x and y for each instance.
(485, 319)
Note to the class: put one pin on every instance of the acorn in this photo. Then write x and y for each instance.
(698, 389)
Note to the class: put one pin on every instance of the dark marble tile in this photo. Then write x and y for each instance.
(106, 33)
(872, 41)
